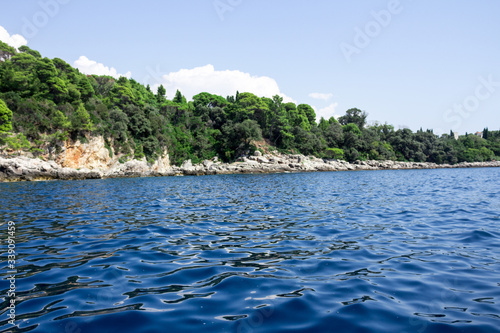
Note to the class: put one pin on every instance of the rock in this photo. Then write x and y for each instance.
(162, 164)
(187, 164)
(257, 153)
(91, 155)
(132, 168)
(22, 168)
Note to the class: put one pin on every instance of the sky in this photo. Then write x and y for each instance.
(413, 64)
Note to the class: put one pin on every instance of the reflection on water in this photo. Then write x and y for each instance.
(377, 251)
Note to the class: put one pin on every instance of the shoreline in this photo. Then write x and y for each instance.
(33, 169)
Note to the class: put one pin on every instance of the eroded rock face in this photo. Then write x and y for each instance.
(91, 155)
(162, 164)
(77, 160)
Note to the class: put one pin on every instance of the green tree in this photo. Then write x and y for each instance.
(247, 131)
(308, 111)
(179, 98)
(354, 116)
(249, 106)
(306, 142)
(5, 117)
(336, 153)
(485, 133)
(351, 128)
(26, 49)
(85, 88)
(160, 93)
(238, 136)
(6, 51)
(323, 124)
(80, 120)
(333, 134)
(118, 120)
(61, 121)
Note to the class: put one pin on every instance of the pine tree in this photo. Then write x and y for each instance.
(178, 97)
(160, 93)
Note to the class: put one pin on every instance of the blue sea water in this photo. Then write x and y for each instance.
(366, 251)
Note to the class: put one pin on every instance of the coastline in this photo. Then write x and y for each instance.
(33, 169)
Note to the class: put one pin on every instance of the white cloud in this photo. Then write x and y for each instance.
(12, 40)
(224, 83)
(327, 112)
(87, 66)
(324, 97)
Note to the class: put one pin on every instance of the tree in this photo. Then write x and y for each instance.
(80, 120)
(334, 153)
(122, 93)
(485, 133)
(351, 128)
(139, 125)
(61, 121)
(179, 99)
(6, 51)
(26, 49)
(323, 124)
(208, 106)
(119, 121)
(160, 93)
(247, 131)
(279, 126)
(5, 117)
(333, 134)
(355, 116)
(308, 111)
(85, 88)
(306, 142)
(237, 137)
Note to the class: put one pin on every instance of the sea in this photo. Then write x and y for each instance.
(360, 251)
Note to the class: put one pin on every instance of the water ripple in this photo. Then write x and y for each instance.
(379, 251)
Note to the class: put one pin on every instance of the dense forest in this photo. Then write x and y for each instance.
(44, 101)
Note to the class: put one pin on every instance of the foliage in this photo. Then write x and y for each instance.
(354, 116)
(6, 51)
(47, 99)
(5, 118)
(334, 153)
(14, 142)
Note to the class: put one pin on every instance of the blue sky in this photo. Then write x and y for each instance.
(406, 62)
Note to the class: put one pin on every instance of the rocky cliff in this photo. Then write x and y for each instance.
(91, 155)
(78, 160)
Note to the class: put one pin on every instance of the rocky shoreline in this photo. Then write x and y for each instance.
(32, 169)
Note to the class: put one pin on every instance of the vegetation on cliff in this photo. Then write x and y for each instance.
(46, 101)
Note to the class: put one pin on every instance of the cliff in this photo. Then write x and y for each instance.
(91, 159)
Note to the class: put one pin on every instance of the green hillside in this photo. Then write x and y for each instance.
(46, 101)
